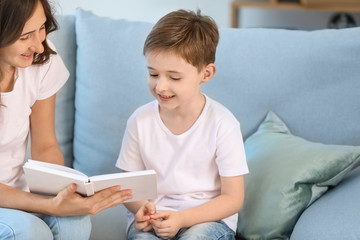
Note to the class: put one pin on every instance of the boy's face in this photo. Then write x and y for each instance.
(174, 82)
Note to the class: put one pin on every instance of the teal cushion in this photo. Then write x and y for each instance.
(111, 83)
(287, 174)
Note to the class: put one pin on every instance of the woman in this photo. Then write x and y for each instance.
(30, 75)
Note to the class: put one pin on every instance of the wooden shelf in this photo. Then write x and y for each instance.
(284, 5)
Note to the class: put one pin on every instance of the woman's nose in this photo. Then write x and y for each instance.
(37, 44)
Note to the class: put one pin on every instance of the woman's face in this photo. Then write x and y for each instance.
(21, 52)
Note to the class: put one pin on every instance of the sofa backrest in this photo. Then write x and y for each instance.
(65, 42)
(310, 79)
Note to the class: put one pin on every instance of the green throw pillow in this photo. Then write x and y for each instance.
(287, 174)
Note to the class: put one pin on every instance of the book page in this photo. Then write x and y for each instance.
(142, 183)
(49, 179)
(55, 166)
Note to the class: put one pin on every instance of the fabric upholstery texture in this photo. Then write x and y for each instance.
(335, 215)
(287, 174)
(110, 85)
(311, 78)
(64, 41)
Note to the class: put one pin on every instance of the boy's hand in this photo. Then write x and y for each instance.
(143, 216)
(166, 224)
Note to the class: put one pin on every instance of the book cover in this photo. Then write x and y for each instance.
(49, 179)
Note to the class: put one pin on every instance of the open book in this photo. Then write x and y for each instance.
(49, 179)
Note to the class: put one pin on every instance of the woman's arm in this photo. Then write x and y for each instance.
(66, 203)
(44, 145)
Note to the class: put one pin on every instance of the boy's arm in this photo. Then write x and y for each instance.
(229, 202)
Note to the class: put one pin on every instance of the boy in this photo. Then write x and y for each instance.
(191, 141)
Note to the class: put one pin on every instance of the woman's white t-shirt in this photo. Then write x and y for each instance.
(36, 82)
(188, 165)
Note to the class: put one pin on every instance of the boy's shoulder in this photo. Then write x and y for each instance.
(144, 110)
(219, 112)
(218, 107)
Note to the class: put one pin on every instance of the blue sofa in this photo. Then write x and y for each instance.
(296, 94)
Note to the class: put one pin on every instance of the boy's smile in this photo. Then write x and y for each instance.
(164, 97)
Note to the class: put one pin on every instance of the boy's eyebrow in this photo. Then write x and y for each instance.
(32, 31)
(171, 71)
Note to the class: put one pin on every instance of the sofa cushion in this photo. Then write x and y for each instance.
(310, 78)
(335, 215)
(110, 85)
(64, 40)
(287, 174)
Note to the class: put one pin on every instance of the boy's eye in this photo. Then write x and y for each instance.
(153, 75)
(175, 77)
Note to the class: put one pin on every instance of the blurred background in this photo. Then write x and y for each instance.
(269, 14)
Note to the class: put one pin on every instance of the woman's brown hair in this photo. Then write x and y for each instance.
(13, 16)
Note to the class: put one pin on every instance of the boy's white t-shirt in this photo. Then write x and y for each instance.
(36, 82)
(188, 165)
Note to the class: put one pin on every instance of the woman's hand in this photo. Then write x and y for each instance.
(69, 203)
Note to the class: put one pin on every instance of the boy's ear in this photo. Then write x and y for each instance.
(209, 72)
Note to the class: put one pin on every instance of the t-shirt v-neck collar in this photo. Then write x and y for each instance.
(187, 132)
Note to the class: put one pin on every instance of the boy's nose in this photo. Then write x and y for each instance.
(161, 85)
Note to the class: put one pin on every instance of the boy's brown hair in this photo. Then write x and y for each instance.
(191, 35)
